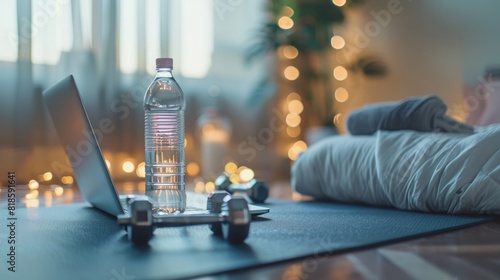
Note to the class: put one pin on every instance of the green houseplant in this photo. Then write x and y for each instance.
(307, 26)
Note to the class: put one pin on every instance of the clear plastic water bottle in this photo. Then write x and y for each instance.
(164, 106)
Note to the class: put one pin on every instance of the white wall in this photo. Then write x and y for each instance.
(430, 47)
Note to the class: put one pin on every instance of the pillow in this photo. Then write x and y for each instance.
(424, 171)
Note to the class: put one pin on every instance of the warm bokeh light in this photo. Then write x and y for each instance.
(337, 119)
(295, 107)
(128, 167)
(287, 11)
(32, 203)
(293, 131)
(58, 191)
(339, 3)
(246, 175)
(297, 148)
(192, 169)
(47, 198)
(290, 52)
(33, 185)
(32, 194)
(234, 178)
(185, 142)
(293, 96)
(209, 187)
(341, 94)
(67, 180)
(47, 176)
(199, 187)
(292, 153)
(340, 73)
(141, 170)
(108, 163)
(301, 145)
(285, 23)
(337, 42)
(230, 167)
(291, 73)
(293, 120)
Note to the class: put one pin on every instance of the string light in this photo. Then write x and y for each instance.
(67, 180)
(287, 11)
(234, 178)
(340, 73)
(337, 42)
(341, 94)
(339, 3)
(297, 148)
(58, 191)
(293, 153)
(141, 170)
(293, 96)
(285, 22)
(33, 185)
(293, 131)
(47, 176)
(128, 167)
(246, 175)
(295, 107)
(291, 73)
(47, 197)
(301, 145)
(192, 169)
(209, 187)
(32, 203)
(32, 194)
(337, 119)
(293, 120)
(290, 52)
(230, 167)
(199, 187)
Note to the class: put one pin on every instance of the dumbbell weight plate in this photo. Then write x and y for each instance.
(236, 229)
(214, 206)
(140, 231)
(140, 235)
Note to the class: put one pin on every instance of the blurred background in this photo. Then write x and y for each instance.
(263, 79)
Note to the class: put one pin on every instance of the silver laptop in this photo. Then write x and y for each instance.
(76, 134)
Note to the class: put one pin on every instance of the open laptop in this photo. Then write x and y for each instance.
(84, 154)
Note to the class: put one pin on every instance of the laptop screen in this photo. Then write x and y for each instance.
(80, 144)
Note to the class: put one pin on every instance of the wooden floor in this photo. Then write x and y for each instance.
(470, 253)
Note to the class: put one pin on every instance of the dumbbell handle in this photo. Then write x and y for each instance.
(242, 187)
(181, 220)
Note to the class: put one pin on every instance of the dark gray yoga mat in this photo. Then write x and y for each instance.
(78, 242)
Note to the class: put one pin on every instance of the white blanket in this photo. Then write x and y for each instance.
(434, 172)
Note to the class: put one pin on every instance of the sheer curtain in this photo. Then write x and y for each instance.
(110, 47)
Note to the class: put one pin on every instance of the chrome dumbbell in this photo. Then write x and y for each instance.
(257, 191)
(228, 216)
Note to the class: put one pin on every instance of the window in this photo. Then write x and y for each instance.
(181, 29)
(192, 43)
(8, 31)
(196, 37)
(50, 29)
(128, 35)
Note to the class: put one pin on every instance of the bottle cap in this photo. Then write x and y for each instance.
(164, 63)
